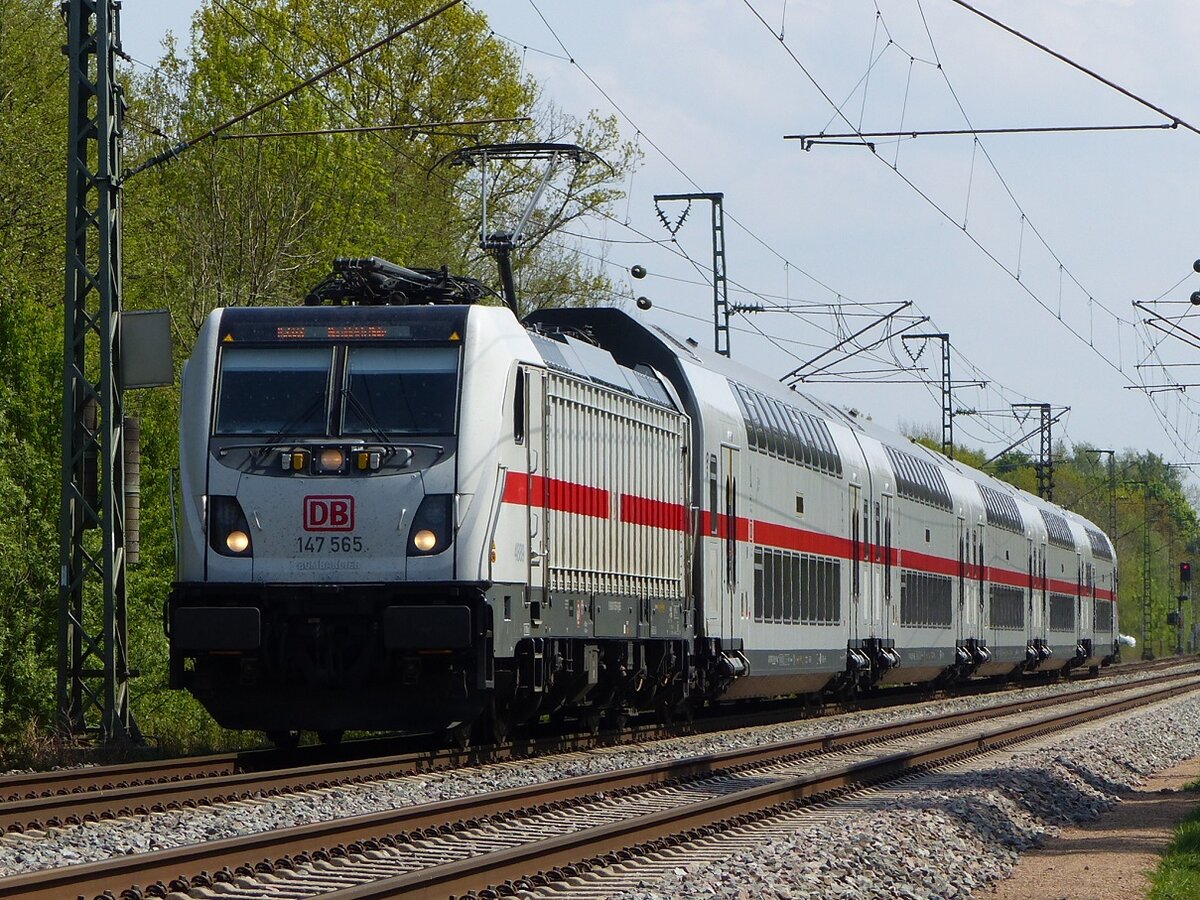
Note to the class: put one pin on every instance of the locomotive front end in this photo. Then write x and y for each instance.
(318, 580)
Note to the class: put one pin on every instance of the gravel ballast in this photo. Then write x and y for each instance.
(942, 835)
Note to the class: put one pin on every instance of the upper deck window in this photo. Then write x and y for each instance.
(779, 429)
(918, 479)
(1002, 510)
(400, 390)
(1057, 530)
(276, 391)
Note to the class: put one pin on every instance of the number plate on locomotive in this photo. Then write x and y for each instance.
(332, 543)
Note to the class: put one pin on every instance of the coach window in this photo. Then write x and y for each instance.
(793, 597)
(759, 585)
(807, 455)
(787, 443)
(768, 421)
(757, 436)
(766, 439)
(519, 408)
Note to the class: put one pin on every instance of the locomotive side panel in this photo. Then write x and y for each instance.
(616, 495)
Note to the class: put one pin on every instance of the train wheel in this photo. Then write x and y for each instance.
(459, 736)
(589, 722)
(284, 740)
(617, 719)
(330, 738)
(493, 725)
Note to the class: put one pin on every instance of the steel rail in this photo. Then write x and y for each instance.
(259, 852)
(209, 788)
(504, 871)
(79, 780)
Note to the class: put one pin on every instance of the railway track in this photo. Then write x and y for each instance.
(70, 797)
(26, 799)
(459, 845)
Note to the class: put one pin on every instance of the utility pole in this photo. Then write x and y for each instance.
(1185, 591)
(1112, 490)
(1045, 463)
(947, 389)
(1147, 623)
(720, 284)
(93, 668)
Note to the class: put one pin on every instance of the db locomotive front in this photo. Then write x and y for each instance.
(326, 578)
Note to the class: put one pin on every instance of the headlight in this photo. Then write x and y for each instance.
(331, 459)
(432, 528)
(228, 530)
(293, 460)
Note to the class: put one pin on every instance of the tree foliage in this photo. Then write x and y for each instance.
(259, 219)
(32, 129)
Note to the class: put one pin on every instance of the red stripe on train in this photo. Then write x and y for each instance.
(787, 537)
(551, 493)
(722, 529)
(572, 497)
(654, 513)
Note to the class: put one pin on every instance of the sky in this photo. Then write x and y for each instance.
(1029, 250)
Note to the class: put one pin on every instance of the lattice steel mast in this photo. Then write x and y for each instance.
(947, 388)
(1045, 461)
(93, 671)
(720, 282)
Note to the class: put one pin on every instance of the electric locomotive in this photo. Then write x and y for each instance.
(408, 510)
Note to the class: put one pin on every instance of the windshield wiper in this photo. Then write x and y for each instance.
(370, 420)
(391, 445)
(269, 442)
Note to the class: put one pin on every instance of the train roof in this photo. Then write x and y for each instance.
(567, 353)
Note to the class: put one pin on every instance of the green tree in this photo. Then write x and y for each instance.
(258, 220)
(32, 129)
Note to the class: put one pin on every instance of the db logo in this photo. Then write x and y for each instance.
(328, 513)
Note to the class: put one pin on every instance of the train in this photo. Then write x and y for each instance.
(408, 509)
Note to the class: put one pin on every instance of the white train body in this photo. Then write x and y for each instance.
(402, 517)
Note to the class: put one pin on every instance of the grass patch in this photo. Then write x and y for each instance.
(1178, 874)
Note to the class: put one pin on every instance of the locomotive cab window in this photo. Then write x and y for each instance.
(283, 391)
(401, 390)
(519, 408)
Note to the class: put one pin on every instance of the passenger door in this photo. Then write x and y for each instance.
(857, 541)
(537, 545)
(729, 532)
(964, 549)
(888, 571)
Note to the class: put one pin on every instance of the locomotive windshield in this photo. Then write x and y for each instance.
(280, 391)
(288, 391)
(408, 390)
